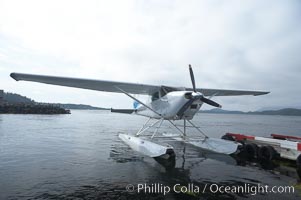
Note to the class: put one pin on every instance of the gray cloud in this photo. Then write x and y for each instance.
(231, 44)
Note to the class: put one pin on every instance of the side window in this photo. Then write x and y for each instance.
(155, 96)
(165, 90)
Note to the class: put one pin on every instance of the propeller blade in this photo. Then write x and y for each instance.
(184, 108)
(210, 102)
(192, 78)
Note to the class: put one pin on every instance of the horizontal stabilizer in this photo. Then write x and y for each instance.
(125, 111)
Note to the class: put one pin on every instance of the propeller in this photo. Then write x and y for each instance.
(210, 102)
(192, 78)
(201, 97)
(195, 96)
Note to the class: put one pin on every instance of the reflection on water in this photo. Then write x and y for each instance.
(192, 159)
(79, 156)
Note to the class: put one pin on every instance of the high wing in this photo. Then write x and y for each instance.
(99, 85)
(222, 92)
(112, 86)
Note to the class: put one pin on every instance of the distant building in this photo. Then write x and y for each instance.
(1, 97)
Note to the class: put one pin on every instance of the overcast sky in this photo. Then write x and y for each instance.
(253, 45)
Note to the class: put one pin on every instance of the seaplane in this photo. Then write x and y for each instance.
(166, 104)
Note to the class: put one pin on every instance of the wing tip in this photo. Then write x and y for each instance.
(261, 93)
(14, 76)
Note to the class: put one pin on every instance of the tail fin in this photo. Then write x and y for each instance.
(136, 104)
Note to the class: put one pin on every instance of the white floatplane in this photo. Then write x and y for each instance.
(166, 104)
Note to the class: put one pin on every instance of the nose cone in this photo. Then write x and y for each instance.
(197, 95)
(193, 95)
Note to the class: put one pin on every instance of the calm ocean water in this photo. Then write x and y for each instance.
(79, 156)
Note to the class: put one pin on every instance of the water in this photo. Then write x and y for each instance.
(79, 156)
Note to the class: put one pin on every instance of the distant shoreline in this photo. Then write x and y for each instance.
(79, 106)
(283, 112)
(16, 99)
(11, 103)
(32, 109)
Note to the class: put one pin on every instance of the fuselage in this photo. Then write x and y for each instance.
(169, 106)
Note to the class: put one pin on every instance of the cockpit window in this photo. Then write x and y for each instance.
(164, 90)
(155, 96)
